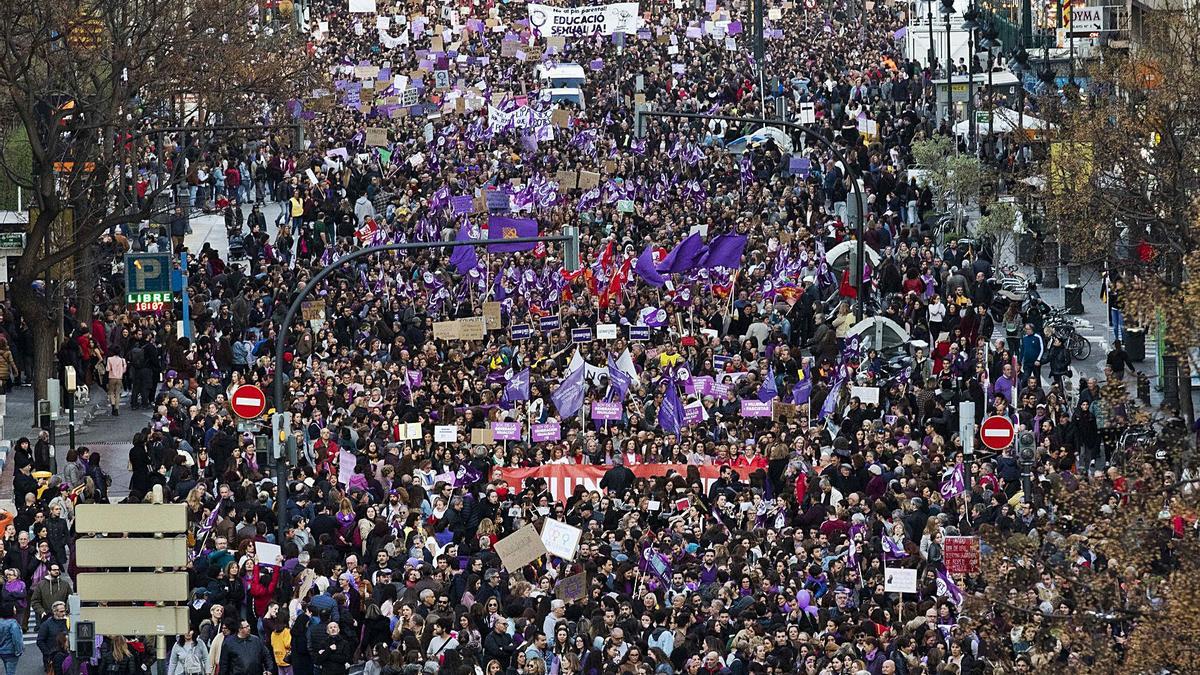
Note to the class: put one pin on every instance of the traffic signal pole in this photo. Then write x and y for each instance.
(570, 241)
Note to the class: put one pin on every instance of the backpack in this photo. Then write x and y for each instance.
(137, 356)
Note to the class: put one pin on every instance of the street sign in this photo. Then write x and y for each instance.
(147, 273)
(131, 518)
(133, 586)
(966, 426)
(111, 552)
(248, 402)
(961, 555)
(997, 432)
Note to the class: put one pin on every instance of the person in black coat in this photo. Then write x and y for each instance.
(498, 644)
(334, 653)
(301, 656)
(618, 479)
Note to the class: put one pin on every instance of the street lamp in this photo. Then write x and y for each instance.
(971, 23)
(1019, 65)
(989, 39)
(71, 386)
(947, 10)
(1026, 455)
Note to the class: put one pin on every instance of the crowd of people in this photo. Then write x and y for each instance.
(716, 541)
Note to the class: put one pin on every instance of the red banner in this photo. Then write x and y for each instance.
(563, 478)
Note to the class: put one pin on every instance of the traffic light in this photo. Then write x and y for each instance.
(281, 427)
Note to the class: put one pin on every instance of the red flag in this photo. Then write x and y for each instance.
(605, 260)
(616, 288)
(846, 290)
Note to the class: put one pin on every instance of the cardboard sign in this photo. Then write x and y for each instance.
(491, 315)
(445, 330)
(560, 539)
(506, 431)
(312, 310)
(445, 433)
(482, 437)
(961, 555)
(567, 180)
(472, 328)
(561, 118)
(588, 180)
(377, 136)
(520, 548)
(573, 587)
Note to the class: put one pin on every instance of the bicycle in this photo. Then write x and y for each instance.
(1063, 326)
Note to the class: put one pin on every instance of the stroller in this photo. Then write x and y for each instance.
(237, 247)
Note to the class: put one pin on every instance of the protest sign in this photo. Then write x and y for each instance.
(520, 548)
(582, 22)
(506, 431)
(572, 588)
(755, 408)
(606, 410)
(491, 315)
(445, 433)
(560, 539)
(899, 580)
(445, 330)
(377, 136)
(961, 555)
(482, 437)
(472, 328)
(544, 433)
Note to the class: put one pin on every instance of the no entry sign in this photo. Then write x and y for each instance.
(997, 432)
(248, 402)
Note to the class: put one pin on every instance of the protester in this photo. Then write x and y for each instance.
(740, 456)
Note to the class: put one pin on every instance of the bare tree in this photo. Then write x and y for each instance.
(91, 83)
(1124, 175)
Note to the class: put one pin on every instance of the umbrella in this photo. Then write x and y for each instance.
(838, 257)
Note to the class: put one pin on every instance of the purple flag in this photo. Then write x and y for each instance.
(464, 258)
(670, 414)
(725, 251)
(831, 399)
(893, 550)
(618, 379)
(517, 388)
(955, 484)
(803, 389)
(503, 227)
(414, 379)
(952, 590)
(658, 564)
(768, 390)
(645, 268)
(684, 256)
(568, 398)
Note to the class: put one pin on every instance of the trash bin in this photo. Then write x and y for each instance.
(1050, 276)
(1143, 388)
(1073, 298)
(1135, 344)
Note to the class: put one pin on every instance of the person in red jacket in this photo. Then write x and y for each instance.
(262, 587)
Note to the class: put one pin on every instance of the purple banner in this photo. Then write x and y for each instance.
(462, 203)
(606, 410)
(753, 408)
(542, 433)
(506, 431)
(801, 166)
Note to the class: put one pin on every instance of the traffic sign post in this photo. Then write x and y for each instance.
(248, 402)
(997, 433)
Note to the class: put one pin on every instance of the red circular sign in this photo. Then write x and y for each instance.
(997, 432)
(248, 402)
